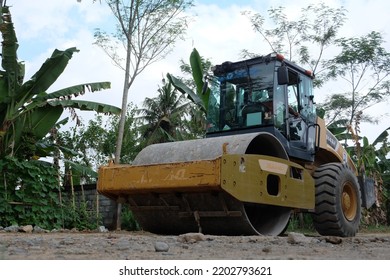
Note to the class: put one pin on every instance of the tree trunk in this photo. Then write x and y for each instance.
(122, 121)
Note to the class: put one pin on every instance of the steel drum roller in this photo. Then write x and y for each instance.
(209, 212)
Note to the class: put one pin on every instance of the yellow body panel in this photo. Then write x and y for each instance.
(267, 180)
(330, 148)
(188, 176)
(248, 178)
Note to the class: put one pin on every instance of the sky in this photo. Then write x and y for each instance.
(217, 30)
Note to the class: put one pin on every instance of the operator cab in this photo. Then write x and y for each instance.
(266, 93)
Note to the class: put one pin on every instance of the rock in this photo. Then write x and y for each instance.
(191, 237)
(26, 229)
(13, 228)
(38, 229)
(67, 241)
(102, 229)
(297, 238)
(267, 249)
(161, 246)
(122, 244)
(333, 239)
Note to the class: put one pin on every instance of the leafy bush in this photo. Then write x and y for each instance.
(80, 214)
(29, 193)
(128, 221)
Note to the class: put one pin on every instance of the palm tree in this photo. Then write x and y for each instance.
(163, 118)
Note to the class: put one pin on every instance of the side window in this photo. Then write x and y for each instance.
(306, 94)
(214, 108)
(280, 108)
(292, 92)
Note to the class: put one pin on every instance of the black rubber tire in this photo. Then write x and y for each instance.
(337, 202)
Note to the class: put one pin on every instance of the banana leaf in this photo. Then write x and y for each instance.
(28, 108)
(382, 137)
(183, 88)
(49, 72)
(81, 169)
(84, 105)
(197, 74)
(74, 90)
(9, 45)
(42, 119)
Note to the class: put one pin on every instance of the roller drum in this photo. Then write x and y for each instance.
(208, 212)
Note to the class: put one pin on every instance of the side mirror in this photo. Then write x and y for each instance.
(283, 75)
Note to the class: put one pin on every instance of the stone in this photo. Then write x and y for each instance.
(67, 241)
(333, 239)
(160, 246)
(102, 229)
(13, 228)
(267, 249)
(38, 229)
(191, 237)
(26, 229)
(297, 238)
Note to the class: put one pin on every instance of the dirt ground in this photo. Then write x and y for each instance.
(125, 245)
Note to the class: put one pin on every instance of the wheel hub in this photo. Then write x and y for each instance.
(348, 202)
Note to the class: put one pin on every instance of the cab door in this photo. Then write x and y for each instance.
(300, 127)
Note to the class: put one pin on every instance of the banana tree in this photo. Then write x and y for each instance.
(27, 110)
(374, 156)
(202, 94)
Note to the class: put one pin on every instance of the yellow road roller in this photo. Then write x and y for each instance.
(266, 154)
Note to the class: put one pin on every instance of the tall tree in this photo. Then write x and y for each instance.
(364, 64)
(303, 40)
(147, 29)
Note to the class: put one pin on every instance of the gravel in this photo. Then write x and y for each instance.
(122, 245)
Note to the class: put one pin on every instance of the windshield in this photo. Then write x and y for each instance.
(242, 98)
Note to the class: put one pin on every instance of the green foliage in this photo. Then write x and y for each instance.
(200, 97)
(30, 191)
(29, 194)
(197, 67)
(196, 89)
(365, 65)
(94, 142)
(79, 214)
(371, 160)
(301, 222)
(163, 118)
(147, 31)
(27, 110)
(128, 221)
(316, 29)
